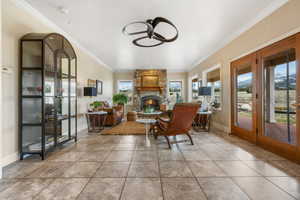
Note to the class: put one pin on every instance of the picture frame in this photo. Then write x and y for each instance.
(99, 86)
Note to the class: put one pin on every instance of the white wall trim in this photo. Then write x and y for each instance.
(220, 127)
(260, 16)
(32, 11)
(10, 159)
(270, 42)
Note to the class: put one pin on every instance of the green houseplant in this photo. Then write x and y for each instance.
(96, 104)
(120, 99)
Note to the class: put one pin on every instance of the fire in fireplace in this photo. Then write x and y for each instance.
(150, 103)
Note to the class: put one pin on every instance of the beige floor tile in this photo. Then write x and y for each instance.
(102, 188)
(113, 170)
(122, 156)
(82, 169)
(63, 189)
(185, 188)
(143, 169)
(96, 156)
(174, 169)
(264, 168)
(51, 170)
(169, 155)
(145, 156)
(236, 168)
(69, 156)
(289, 167)
(195, 155)
(20, 169)
(141, 188)
(25, 189)
(288, 184)
(261, 189)
(221, 189)
(206, 169)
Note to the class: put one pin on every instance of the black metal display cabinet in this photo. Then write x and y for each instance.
(48, 100)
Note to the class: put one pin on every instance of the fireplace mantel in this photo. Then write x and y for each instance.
(146, 89)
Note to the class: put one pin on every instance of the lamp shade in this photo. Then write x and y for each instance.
(90, 91)
(204, 91)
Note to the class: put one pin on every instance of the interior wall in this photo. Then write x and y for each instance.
(281, 23)
(171, 76)
(1, 113)
(16, 23)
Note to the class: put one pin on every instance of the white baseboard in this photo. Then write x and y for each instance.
(221, 127)
(10, 159)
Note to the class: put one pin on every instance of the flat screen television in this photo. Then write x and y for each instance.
(90, 91)
(204, 91)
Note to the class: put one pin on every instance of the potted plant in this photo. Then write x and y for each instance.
(95, 105)
(120, 99)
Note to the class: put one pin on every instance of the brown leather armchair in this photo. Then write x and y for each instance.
(180, 122)
(114, 115)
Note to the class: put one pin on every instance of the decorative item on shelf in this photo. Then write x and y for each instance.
(120, 99)
(92, 83)
(89, 91)
(149, 33)
(99, 85)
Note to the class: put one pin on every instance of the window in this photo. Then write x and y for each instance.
(175, 90)
(213, 80)
(195, 87)
(125, 86)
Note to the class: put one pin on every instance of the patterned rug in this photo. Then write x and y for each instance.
(126, 128)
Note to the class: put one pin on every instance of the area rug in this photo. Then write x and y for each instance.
(126, 128)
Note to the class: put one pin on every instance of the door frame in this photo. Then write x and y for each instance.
(289, 151)
(238, 131)
(286, 150)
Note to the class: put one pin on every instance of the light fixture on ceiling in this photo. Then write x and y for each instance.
(149, 33)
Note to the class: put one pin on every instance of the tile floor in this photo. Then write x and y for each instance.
(123, 168)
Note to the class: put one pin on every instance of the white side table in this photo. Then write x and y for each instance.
(147, 122)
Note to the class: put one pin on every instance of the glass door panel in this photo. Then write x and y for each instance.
(279, 97)
(32, 110)
(32, 82)
(31, 54)
(32, 139)
(244, 96)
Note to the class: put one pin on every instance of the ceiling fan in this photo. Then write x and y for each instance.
(149, 33)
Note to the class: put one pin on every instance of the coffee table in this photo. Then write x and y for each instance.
(147, 122)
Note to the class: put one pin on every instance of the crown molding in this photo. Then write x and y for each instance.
(32, 11)
(263, 14)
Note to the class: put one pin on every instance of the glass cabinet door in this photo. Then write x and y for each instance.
(62, 97)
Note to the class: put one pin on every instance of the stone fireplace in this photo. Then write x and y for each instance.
(151, 102)
(150, 89)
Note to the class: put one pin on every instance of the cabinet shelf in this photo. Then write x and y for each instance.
(48, 71)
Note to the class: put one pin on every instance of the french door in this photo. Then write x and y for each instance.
(243, 118)
(266, 97)
(279, 96)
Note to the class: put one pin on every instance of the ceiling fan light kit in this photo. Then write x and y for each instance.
(149, 33)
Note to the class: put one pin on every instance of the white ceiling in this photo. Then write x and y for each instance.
(204, 27)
